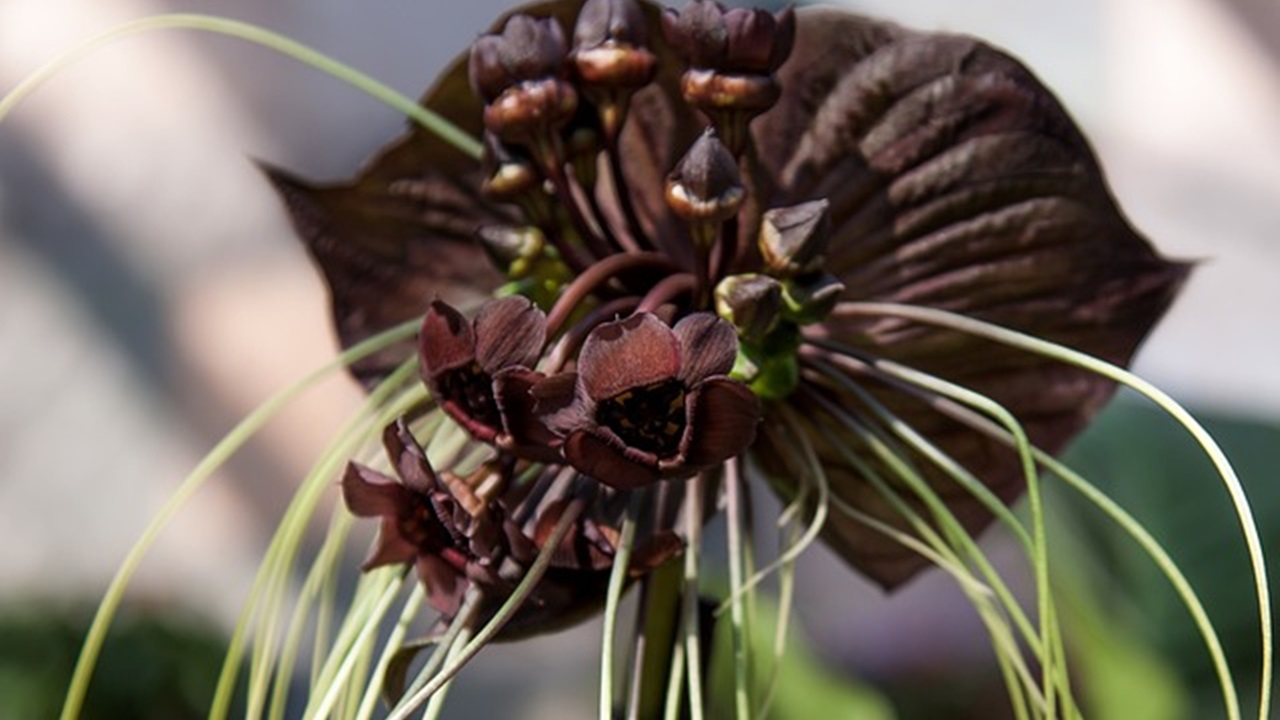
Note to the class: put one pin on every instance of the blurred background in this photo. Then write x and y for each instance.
(151, 294)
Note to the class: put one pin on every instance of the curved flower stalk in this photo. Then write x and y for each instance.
(675, 267)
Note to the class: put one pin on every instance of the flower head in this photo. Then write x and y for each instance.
(798, 173)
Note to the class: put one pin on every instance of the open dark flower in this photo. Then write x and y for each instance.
(866, 164)
(481, 372)
(457, 537)
(649, 401)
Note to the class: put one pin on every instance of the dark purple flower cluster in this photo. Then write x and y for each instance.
(681, 208)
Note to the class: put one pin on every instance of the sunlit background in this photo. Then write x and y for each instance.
(151, 294)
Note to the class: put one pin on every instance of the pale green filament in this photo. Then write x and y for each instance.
(689, 621)
(1001, 635)
(617, 582)
(1048, 638)
(505, 612)
(734, 523)
(220, 453)
(248, 32)
(1202, 437)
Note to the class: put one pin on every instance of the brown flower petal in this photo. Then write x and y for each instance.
(556, 400)
(369, 493)
(510, 331)
(600, 460)
(530, 436)
(445, 342)
(723, 416)
(708, 346)
(445, 585)
(390, 548)
(634, 352)
(408, 458)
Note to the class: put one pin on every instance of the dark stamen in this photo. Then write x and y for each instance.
(650, 419)
(471, 388)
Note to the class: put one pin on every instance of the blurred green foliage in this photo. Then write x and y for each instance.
(155, 666)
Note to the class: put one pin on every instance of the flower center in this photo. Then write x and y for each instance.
(471, 388)
(648, 418)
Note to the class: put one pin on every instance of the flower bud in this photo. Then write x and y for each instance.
(509, 176)
(706, 186)
(732, 56)
(740, 41)
(809, 299)
(528, 49)
(752, 303)
(519, 73)
(610, 45)
(794, 239)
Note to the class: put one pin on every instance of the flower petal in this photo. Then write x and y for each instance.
(576, 550)
(595, 457)
(708, 346)
(369, 493)
(510, 331)
(445, 342)
(390, 548)
(660, 548)
(445, 586)
(408, 458)
(634, 352)
(528, 431)
(723, 415)
(559, 405)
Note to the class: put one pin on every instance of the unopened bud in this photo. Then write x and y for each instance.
(811, 299)
(610, 45)
(706, 186)
(751, 303)
(794, 239)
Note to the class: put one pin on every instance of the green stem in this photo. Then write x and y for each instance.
(692, 637)
(737, 613)
(617, 583)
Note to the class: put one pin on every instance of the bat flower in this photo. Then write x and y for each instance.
(457, 537)
(480, 372)
(801, 175)
(650, 401)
